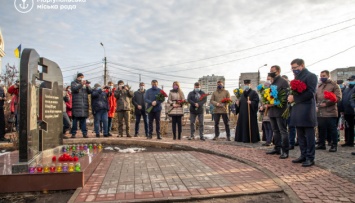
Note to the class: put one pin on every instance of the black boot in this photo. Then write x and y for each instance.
(333, 148)
(274, 151)
(174, 136)
(284, 154)
(228, 138)
(179, 136)
(322, 147)
(159, 137)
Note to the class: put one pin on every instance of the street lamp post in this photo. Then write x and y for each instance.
(105, 65)
(259, 73)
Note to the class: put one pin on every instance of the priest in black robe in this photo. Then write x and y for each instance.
(242, 129)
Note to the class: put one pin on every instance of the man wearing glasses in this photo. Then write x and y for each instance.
(303, 114)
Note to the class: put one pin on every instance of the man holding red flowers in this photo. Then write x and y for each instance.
(328, 93)
(303, 114)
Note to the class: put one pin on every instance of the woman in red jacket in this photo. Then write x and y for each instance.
(111, 105)
(69, 103)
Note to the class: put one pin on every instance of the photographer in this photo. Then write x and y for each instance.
(123, 99)
(80, 104)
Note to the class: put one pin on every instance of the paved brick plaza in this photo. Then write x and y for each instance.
(171, 174)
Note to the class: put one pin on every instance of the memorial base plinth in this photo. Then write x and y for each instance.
(22, 181)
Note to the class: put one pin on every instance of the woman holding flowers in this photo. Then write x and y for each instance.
(247, 106)
(176, 100)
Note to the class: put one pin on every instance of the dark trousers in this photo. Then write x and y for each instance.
(349, 130)
(82, 124)
(327, 126)
(306, 140)
(151, 117)
(2, 123)
(145, 121)
(176, 120)
(66, 122)
(291, 133)
(281, 141)
(109, 124)
(267, 131)
(217, 117)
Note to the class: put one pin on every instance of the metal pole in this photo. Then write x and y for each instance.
(105, 72)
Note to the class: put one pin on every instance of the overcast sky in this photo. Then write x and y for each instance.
(157, 34)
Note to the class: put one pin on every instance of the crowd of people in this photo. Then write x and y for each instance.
(310, 110)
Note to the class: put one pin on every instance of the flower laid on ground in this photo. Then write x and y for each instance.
(159, 97)
(238, 92)
(296, 87)
(330, 96)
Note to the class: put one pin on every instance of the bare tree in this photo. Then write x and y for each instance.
(9, 76)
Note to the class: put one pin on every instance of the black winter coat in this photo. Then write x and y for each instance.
(99, 101)
(80, 99)
(303, 113)
(347, 103)
(192, 99)
(138, 99)
(282, 85)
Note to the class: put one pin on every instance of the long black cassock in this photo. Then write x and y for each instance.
(242, 130)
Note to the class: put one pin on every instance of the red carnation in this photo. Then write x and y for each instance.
(298, 86)
(76, 159)
(330, 96)
(54, 158)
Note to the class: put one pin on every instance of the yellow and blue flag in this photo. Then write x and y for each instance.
(17, 51)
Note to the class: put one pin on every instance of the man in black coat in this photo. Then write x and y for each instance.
(197, 106)
(80, 99)
(279, 124)
(248, 98)
(139, 109)
(303, 114)
(347, 105)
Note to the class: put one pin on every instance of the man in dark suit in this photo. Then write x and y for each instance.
(278, 124)
(303, 114)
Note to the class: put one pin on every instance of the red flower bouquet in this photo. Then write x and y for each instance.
(330, 96)
(181, 103)
(296, 87)
(203, 96)
(159, 97)
(226, 101)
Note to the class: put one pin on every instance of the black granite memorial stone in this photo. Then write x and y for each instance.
(40, 106)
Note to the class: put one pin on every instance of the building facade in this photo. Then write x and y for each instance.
(342, 73)
(209, 84)
(253, 76)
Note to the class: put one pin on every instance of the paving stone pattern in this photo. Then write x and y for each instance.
(171, 174)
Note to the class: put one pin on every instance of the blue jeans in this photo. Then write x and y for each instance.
(145, 121)
(66, 122)
(291, 132)
(101, 116)
(200, 123)
(151, 117)
(82, 121)
(109, 124)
